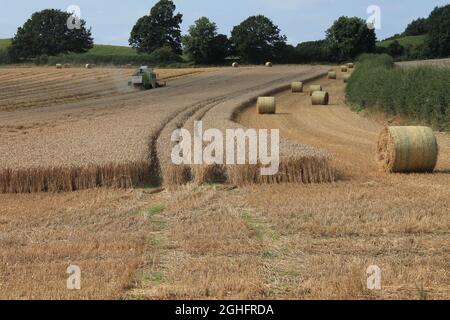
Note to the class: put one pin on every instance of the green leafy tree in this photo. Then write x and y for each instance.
(257, 39)
(350, 37)
(395, 49)
(158, 29)
(164, 55)
(203, 44)
(417, 27)
(220, 48)
(438, 42)
(313, 51)
(47, 33)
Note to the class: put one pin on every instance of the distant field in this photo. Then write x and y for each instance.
(99, 49)
(102, 49)
(414, 41)
(4, 43)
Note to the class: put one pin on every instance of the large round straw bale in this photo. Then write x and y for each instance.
(407, 149)
(320, 98)
(332, 75)
(269, 64)
(344, 68)
(58, 66)
(88, 66)
(350, 65)
(235, 65)
(314, 87)
(297, 86)
(266, 105)
(346, 77)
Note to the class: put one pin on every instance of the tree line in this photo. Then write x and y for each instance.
(436, 30)
(255, 40)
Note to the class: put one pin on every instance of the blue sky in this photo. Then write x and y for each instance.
(300, 20)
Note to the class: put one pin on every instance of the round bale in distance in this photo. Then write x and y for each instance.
(346, 77)
(314, 87)
(407, 149)
(269, 64)
(344, 68)
(235, 65)
(320, 98)
(58, 66)
(88, 66)
(332, 75)
(350, 65)
(266, 105)
(297, 86)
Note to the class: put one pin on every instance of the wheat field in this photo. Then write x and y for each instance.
(215, 240)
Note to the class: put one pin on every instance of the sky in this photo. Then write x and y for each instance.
(299, 20)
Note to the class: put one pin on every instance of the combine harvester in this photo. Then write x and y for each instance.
(145, 78)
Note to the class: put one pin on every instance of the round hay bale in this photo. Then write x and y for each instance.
(269, 64)
(297, 86)
(407, 149)
(314, 87)
(344, 68)
(320, 98)
(332, 75)
(58, 66)
(266, 105)
(88, 66)
(350, 65)
(235, 65)
(346, 77)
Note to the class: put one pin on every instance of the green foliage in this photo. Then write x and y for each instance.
(220, 48)
(5, 43)
(118, 55)
(414, 47)
(438, 41)
(42, 60)
(290, 54)
(102, 49)
(203, 45)
(425, 38)
(164, 55)
(47, 33)
(349, 37)
(104, 55)
(417, 27)
(4, 56)
(257, 40)
(419, 93)
(395, 49)
(413, 41)
(159, 29)
(313, 51)
(134, 59)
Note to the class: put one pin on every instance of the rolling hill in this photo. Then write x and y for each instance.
(98, 49)
(413, 41)
(4, 43)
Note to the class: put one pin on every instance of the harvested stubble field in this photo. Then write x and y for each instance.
(216, 241)
(115, 140)
(434, 62)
